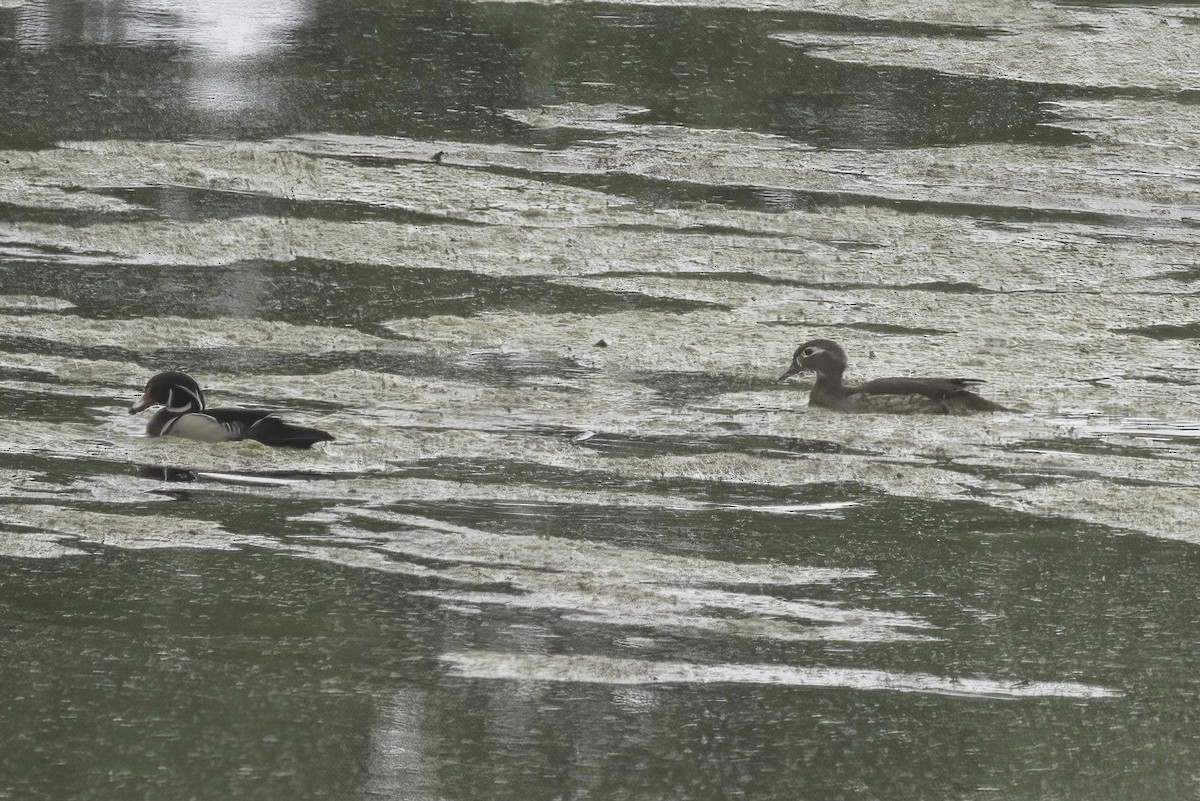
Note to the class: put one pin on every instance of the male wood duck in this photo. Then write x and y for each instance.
(185, 415)
(894, 395)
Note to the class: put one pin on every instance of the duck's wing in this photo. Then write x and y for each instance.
(226, 424)
(263, 426)
(933, 388)
(270, 430)
(939, 395)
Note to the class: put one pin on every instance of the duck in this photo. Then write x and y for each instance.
(184, 414)
(828, 360)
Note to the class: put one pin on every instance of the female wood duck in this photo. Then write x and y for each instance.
(895, 395)
(185, 415)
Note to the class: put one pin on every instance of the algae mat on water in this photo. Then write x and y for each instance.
(562, 457)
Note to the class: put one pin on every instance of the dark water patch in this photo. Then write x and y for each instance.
(623, 15)
(198, 361)
(505, 472)
(939, 287)
(983, 211)
(168, 475)
(1105, 4)
(955, 288)
(655, 193)
(703, 741)
(885, 328)
(712, 77)
(549, 138)
(1078, 27)
(722, 276)
(695, 230)
(80, 89)
(646, 192)
(509, 368)
(16, 213)
(36, 345)
(650, 193)
(13, 373)
(238, 478)
(718, 533)
(213, 496)
(1033, 476)
(57, 469)
(218, 651)
(312, 291)
(210, 649)
(1164, 331)
(1154, 379)
(25, 135)
(196, 204)
(427, 68)
(874, 328)
(1085, 446)
(556, 137)
(1186, 275)
(486, 368)
(894, 107)
(854, 245)
(625, 446)
(680, 386)
(373, 162)
(726, 230)
(17, 249)
(987, 211)
(422, 68)
(716, 492)
(866, 529)
(34, 404)
(243, 507)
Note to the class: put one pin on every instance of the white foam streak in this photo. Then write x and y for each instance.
(602, 670)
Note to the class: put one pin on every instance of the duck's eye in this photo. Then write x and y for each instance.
(804, 354)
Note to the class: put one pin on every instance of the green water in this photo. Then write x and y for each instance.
(573, 540)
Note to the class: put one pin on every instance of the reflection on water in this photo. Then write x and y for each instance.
(218, 30)
(227, 43)
(573, 540)
(421, 68)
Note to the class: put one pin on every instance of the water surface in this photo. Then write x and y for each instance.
(573, 540)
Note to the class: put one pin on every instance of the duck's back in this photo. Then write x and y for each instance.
(270, 430)
(915, 396)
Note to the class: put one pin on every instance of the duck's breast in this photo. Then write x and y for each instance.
(201, 427)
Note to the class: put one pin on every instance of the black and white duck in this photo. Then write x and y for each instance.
(184, 414)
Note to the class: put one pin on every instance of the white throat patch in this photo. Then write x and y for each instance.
(191, 399)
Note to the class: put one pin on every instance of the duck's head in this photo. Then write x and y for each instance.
(177, 391)
(822, 356)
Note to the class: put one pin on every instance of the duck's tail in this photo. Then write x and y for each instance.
(273, 431)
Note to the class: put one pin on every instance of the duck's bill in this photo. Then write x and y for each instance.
(145, 402)
(793, 370)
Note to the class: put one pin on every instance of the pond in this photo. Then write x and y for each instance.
(538, 268)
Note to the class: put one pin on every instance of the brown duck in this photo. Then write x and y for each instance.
(890, 395)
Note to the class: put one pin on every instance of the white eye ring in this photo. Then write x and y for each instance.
(804, 354)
